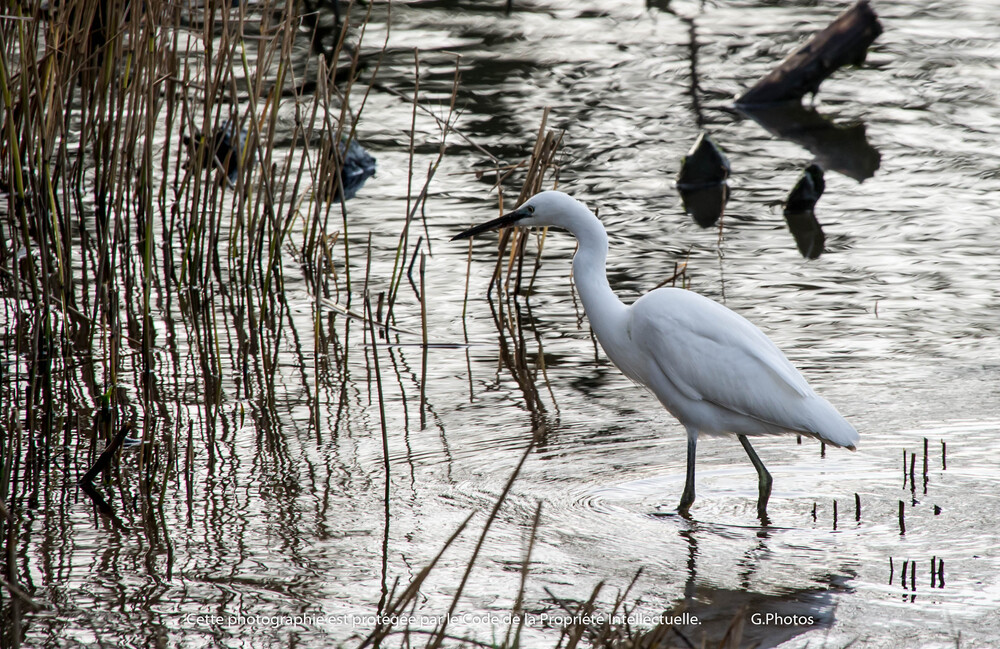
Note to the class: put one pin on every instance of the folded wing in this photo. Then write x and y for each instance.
(712, 354)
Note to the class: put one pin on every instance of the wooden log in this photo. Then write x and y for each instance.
(845, 41)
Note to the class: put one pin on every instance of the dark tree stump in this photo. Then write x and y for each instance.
(845, 41)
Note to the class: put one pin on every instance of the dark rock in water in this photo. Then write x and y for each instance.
(702, 181)
(704, 165)
(706, 204)
(807, 191)
(359, 166)
(222, 151)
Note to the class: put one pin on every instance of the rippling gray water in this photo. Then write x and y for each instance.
(897, 324)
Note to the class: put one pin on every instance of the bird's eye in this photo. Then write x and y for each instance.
(531, 209)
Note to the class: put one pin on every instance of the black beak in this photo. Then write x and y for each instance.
(511, 218)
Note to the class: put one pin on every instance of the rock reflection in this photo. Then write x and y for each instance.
(842, 148)
(808, 233)
(706, 205)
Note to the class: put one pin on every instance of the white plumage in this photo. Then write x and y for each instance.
(718, 373)
(711, 368)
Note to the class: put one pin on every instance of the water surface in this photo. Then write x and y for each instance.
(896, 324)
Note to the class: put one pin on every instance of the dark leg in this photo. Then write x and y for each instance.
(688, 496)
(765, 480)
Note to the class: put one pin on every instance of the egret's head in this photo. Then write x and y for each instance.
(544, 208)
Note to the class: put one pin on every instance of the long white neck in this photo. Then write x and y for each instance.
(604, 310)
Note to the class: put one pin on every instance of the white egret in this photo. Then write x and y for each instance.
(711, 368)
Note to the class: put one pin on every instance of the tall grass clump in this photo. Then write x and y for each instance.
(162, 165)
